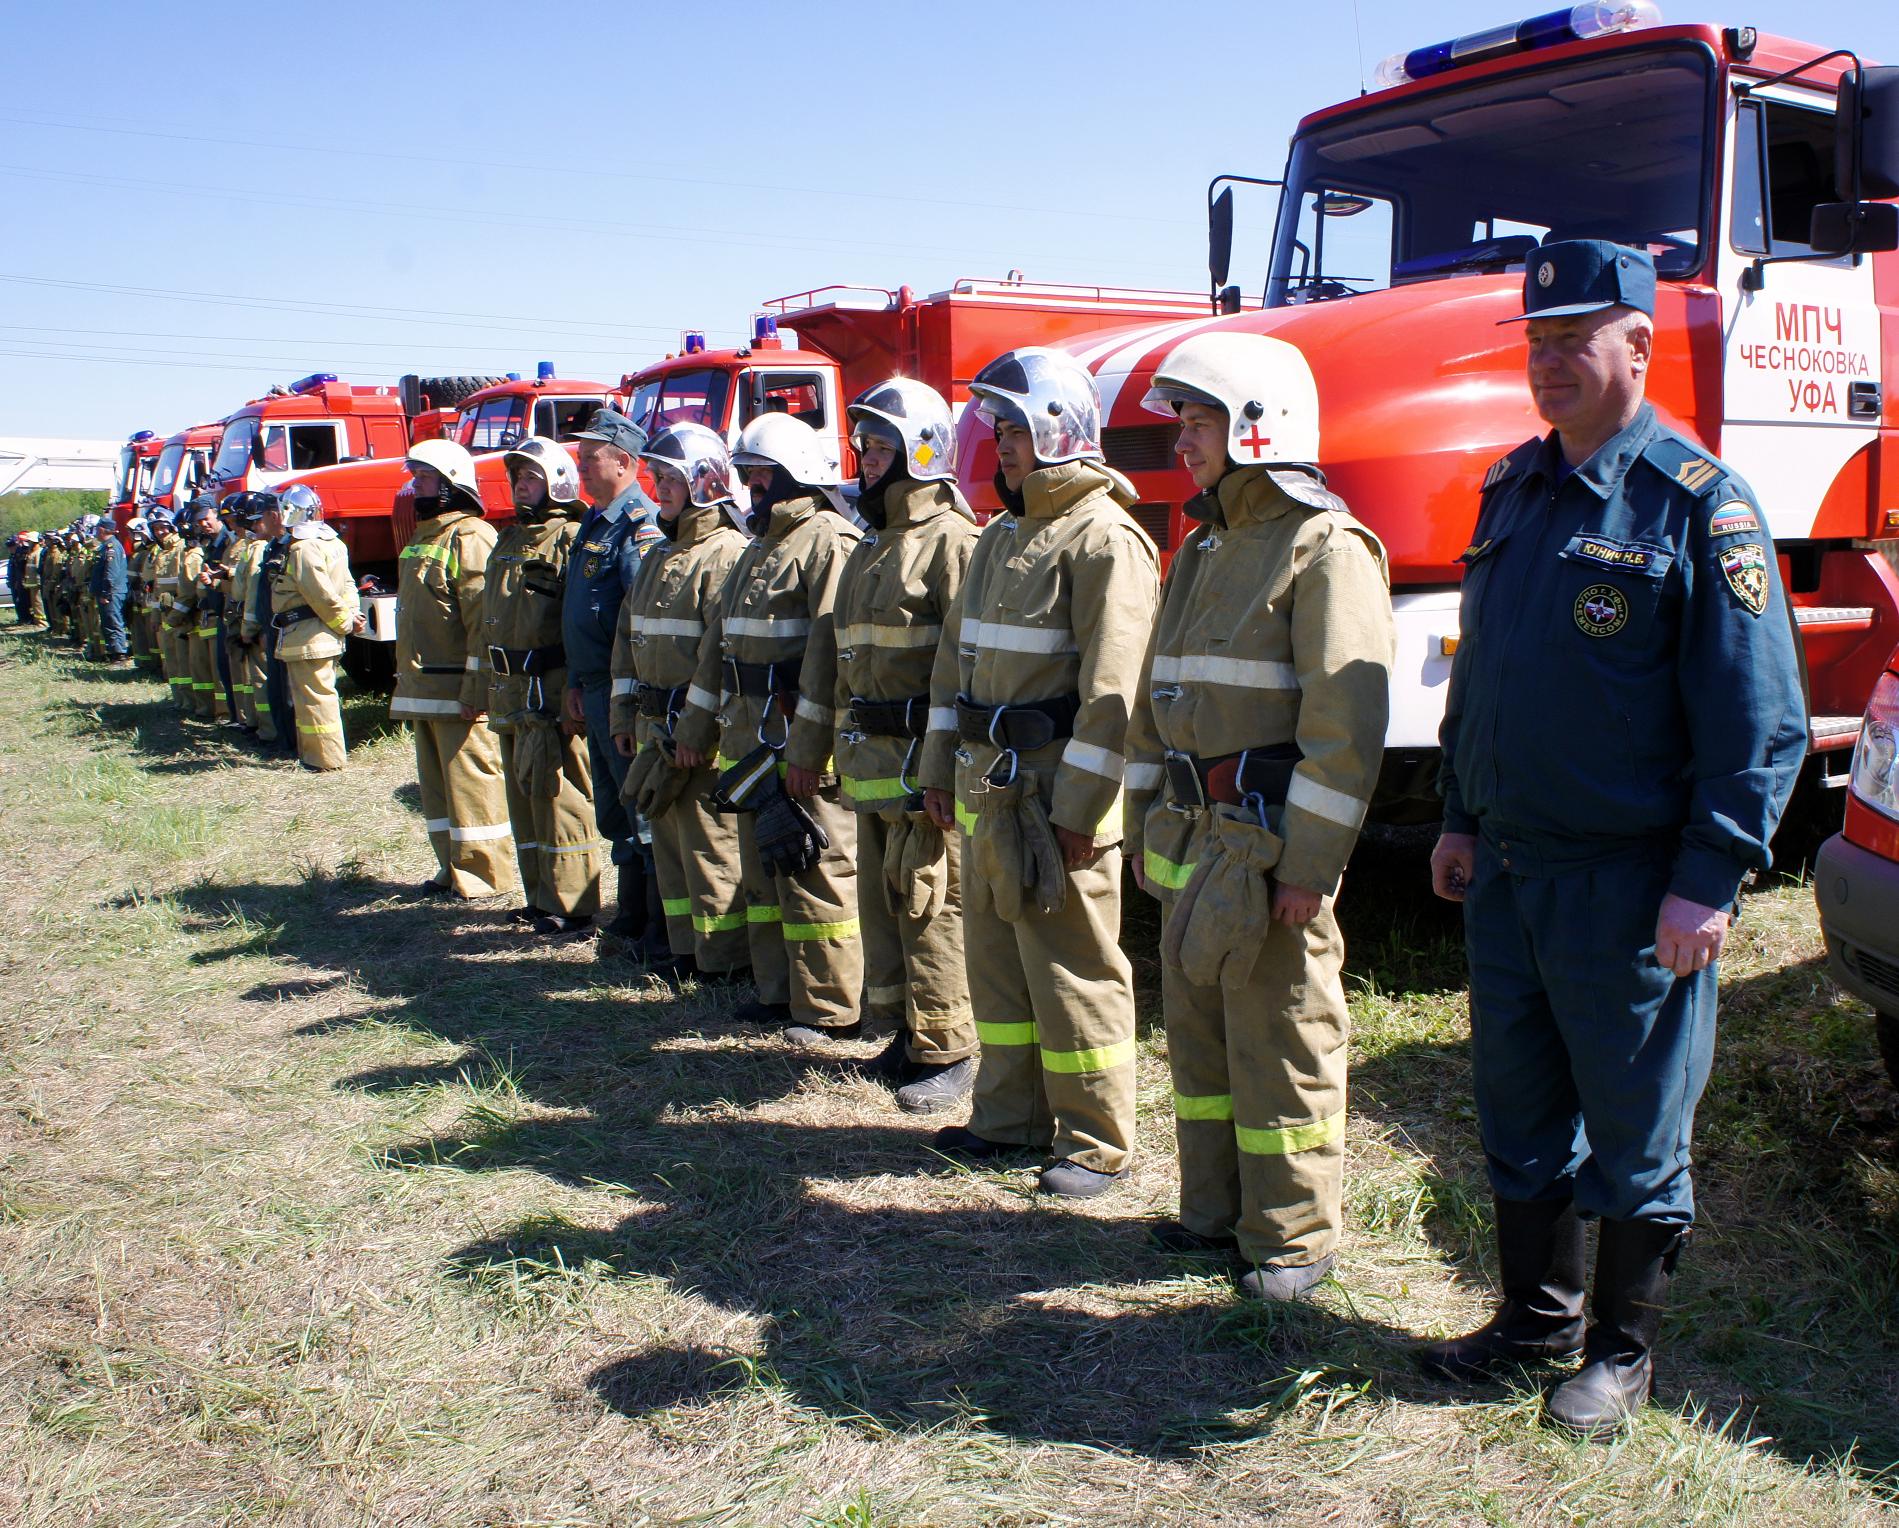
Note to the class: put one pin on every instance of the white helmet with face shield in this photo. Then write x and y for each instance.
(1263, 384)
(1050, 394)
(699, 456)
(449, 460)
(554, 464)
(912, 417)
(299, 504)
(778, 440)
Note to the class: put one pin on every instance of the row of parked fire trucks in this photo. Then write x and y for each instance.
(1758, 171)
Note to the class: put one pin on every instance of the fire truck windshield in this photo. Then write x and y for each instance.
(1470, 178)
(169, 461)
(125, 477)
(234, 449)
(680, 397)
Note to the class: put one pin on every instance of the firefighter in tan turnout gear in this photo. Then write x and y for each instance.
(1257, 736)
(313, 607)
(549, 786)
(1029, 709)
(796, 838)
(876, 657)
(675, 596)
(442, 679)
(181, 620)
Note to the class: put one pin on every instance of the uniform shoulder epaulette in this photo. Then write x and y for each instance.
(1682, 462)
(1511, 463)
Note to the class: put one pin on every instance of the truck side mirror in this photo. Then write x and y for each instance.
(1866, 131)
(1854, 228)
(1220, 238)
(1228, 300)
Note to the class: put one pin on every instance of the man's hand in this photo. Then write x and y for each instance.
(941, 807)
(576, 710)
(1140, 874)
(623, 744)
(687, 758)
(1079, 850)
(473, 713)
(1294, 905)
(1453, 863)
(1688, 936)
(800, 781)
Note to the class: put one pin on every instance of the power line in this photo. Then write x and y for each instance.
(278, 339)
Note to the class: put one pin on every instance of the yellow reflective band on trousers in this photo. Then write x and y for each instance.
(1215, 1106)
(1288, 1139)
(1006, 1034)
(317, 731)
(874, 790)
(676, 907)
(719, 923)
(764, 915)
(844, 928)
(1103, 1058)
(1165, 872)
(965, 819)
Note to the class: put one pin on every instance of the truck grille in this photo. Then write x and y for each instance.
(1156, 520)
(1140, 447)
(1875, 972)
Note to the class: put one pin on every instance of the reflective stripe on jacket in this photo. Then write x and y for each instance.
(439, 650)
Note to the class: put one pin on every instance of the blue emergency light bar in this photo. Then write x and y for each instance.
(312, 382)
(544, 371)
(144, 435)
(1573, 23)
(764, 327)
(695, 341)
(513, 376)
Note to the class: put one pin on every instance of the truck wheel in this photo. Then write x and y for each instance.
(1888, 1024)
(448, 392)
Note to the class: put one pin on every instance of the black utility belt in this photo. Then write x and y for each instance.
(765, 679)
(657, 702)
(283, 620)
(1195, 783)
(522, 662)
(891, 718)
(1022, 725)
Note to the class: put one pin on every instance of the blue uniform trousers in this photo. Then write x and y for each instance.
(112, 625)
(613, 816)
(1588, 1057)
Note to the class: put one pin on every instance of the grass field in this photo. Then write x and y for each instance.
(319, 1206)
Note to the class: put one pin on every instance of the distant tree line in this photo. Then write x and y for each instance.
(34, 509)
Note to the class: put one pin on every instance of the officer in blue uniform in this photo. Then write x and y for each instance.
(109, 586)
(616, 533)
(1624, 726)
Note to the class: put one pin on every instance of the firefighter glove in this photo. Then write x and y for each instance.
(1221, 918)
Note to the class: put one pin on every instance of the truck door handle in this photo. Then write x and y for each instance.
(1863, 400)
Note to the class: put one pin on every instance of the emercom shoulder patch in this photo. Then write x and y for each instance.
(1745, 569)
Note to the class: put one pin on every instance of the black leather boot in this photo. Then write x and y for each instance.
(1540, 1259)
(1635, 1260)
(629, 918)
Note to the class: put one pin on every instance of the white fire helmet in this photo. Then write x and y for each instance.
(299, 504)
(1263, 384)
(451, 460)
(138, 528)
(913, 418)
(553, 463)
(778, 440)
(1048, 392)
(699, 456)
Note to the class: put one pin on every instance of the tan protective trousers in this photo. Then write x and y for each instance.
(913, 962)
(243, 687)
(267, 721)
(696, 856)
(207, 694)
(175, 653)
(320, 742)
(90, 630)
(138, 629)
(803, 930)
(556, 843)
(458, 766)
(1054, 1002)
(1259, 1095)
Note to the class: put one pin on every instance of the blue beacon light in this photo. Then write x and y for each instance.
(1573, 23)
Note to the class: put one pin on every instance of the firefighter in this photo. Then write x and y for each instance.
(675, 595)
(276, 722)
(313, 607)
(1257, 737)
(441, 679)
(17, 546)
(138, 603)
(1599, 848)
(544, 768)
(30, 606)
(875, 658)
(614, 534)
(52, 569)
(239, 589)
(797, 840)
(207, 638)
(1029, 705)
(81, 561)
(166, 561)
(192, 654)
(108, 583)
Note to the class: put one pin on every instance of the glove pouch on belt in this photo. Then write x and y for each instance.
(1221, 918)
(537, 755)
(637, 774)
(916, 868)
(1013, 848)
(747, 784)
(664, 782)
(789, 839)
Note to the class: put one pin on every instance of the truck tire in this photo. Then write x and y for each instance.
(441, 392)
(1888, 1024)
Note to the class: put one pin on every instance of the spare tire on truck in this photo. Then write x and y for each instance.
(419, 393)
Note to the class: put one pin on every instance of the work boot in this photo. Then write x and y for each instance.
(629, 918)
(962, 1142)
(1070, 1180)
(559, 925)
(935, 1087)
(525, 915)
(1635, 1259)
(765, 1015)
(891, 1066)
(1540, 1260)
(1172, 1236)
(1283, 1281)
(817, 1035)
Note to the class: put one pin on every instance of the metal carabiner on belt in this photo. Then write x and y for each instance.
(1015, 769)
(771, 705)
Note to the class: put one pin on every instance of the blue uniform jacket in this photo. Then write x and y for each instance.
(1627, 668)
(600, 571)
(109, 578)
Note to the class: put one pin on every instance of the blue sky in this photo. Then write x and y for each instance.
(205, 199)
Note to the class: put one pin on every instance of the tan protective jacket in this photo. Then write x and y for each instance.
(893, 597)
(782, 587)
(527, 572)
(138, 572)
(1059, 602)
(676, 594)
(181, 608)
(316, 574)
(1275, 628)
(162, 571)
(245, 558)
(439, 646)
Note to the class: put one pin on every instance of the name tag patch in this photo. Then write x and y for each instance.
(1601, 610)
(1612, 554)
(1745, 569)
(1735, 518)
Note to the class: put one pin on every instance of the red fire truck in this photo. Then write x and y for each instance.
(132, 478)
(182, 467)
(1405, 218)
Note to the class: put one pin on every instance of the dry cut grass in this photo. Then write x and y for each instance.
(320, 1206)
